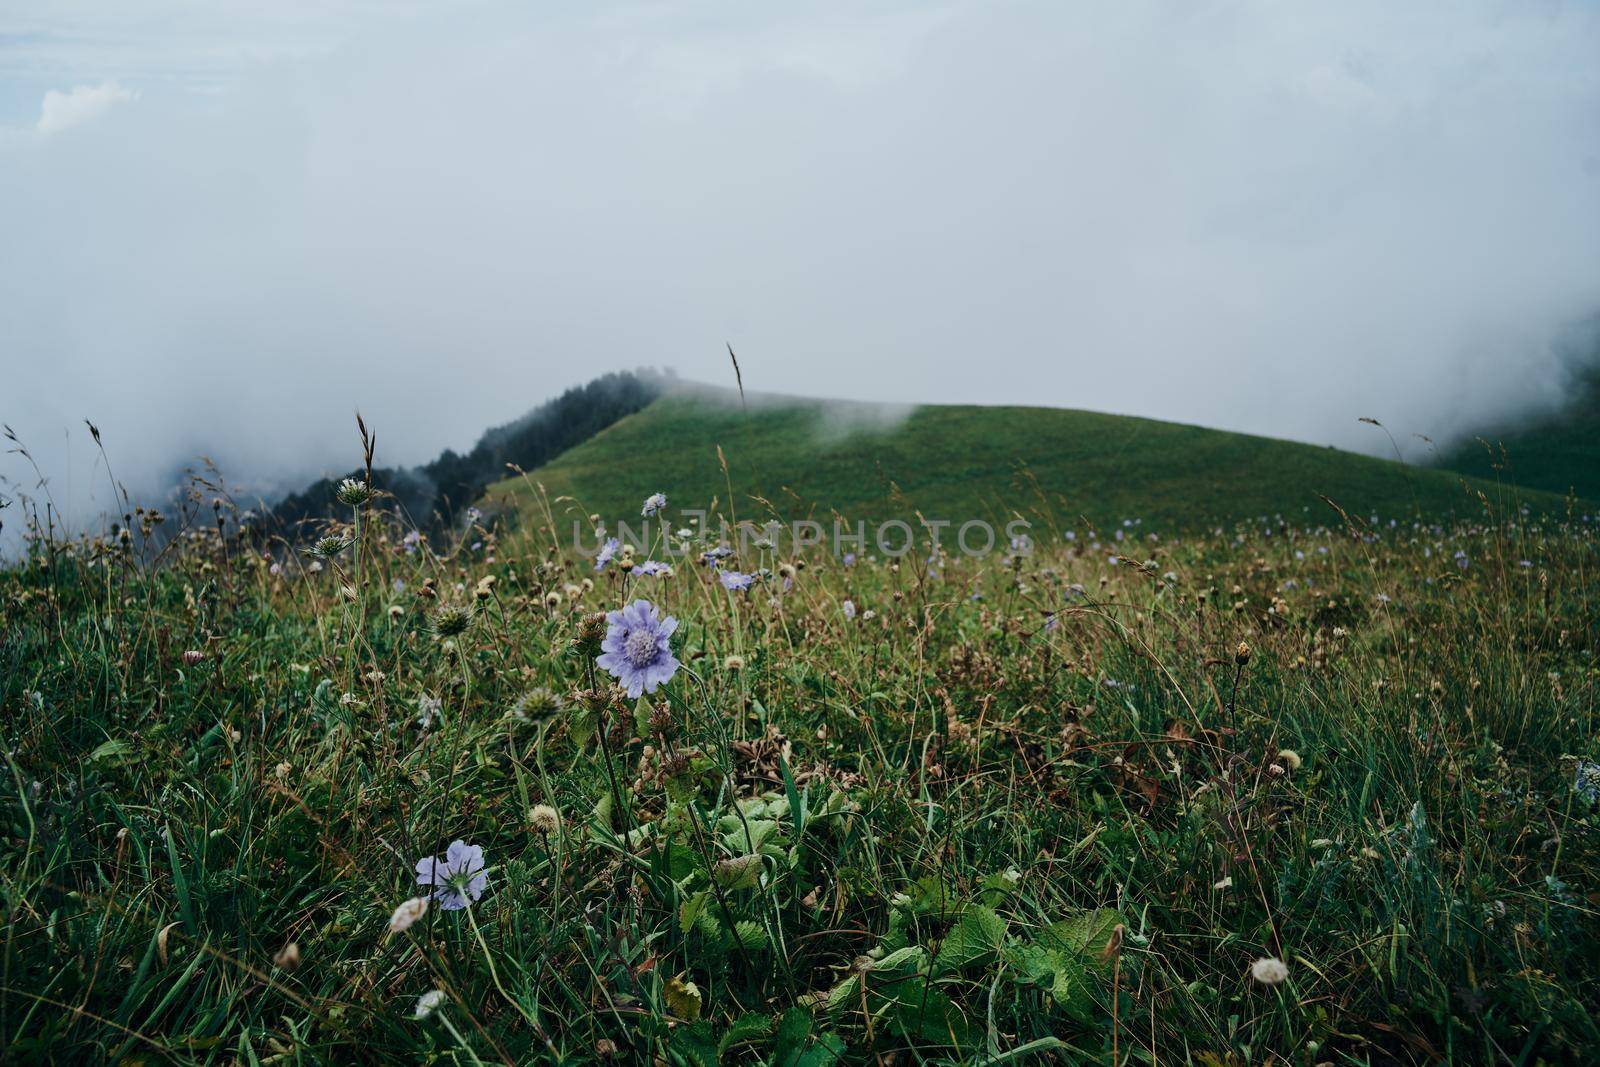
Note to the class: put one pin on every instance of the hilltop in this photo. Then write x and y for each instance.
(792, 457)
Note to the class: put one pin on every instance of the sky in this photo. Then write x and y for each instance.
(228, 225)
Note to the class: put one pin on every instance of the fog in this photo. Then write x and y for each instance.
(226, 227)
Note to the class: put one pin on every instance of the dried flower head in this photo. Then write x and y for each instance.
(1290, 759)
(1241, 655)
(287, 958)
(192, 657)
(407, 913)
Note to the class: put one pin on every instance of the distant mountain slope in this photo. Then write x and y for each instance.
(1559, 452)
(433, 493)
(958, 462)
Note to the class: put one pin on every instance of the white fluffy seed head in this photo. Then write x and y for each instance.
(1269, 970)
(544, 819)
(427, 1003)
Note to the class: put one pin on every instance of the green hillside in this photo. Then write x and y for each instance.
(793, 457)
(1559, 453)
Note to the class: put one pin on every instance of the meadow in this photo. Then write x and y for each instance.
(1317, 790)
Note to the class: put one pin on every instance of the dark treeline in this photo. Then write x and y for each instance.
(436, 493)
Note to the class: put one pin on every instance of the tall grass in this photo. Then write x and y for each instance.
(1023, 807)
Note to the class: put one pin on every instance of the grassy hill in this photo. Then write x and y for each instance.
(794, 457)
(1559, 453)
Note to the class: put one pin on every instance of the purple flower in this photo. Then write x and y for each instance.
(849, 607)
(849, 559)
(653, 504)
(711, 555)
(457, 877)
(651, 567)
(733, 581)
(637, 649)
(607, 551)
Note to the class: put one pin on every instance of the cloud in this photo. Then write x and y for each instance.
(1241, 214)
(85, 103)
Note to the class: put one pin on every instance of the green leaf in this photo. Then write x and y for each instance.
(683, 998)
(974, 940)
(112, 750)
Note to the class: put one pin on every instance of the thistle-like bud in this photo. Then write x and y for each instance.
(1241, 655)
(329, 546)
(591, 631)
(353, 493)
(451, 620)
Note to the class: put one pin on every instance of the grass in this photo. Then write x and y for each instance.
(1014, 809)
(793, 457)
(1559, 452)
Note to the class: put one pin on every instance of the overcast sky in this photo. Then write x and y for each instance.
(226, 225)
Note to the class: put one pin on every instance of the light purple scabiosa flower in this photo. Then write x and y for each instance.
(849, 607)
(654, 504)
(607, 552)
(637, 649)
(849, 559)
(650, 568)
(712, 555)
(457, 877)
(733, 581)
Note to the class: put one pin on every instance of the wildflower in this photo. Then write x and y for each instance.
(1226, 883)
(786, 571)
(287, 958)
(712, 555)
(451, 620)
(637, 648)
(849, 607)
(539, 703)
(653, 568)
(407, 913)
(329, 546)
(544, 819)
(427, 1003)
(733, 663)
(193, 657)
(457, 878)
(410, 542)
(607, 553)
(733, 581)
(353, 493)
(653, 504)
(552, 600)
(1587, 780)
(1290, 759)
(1241, 655)
(1269, 970)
